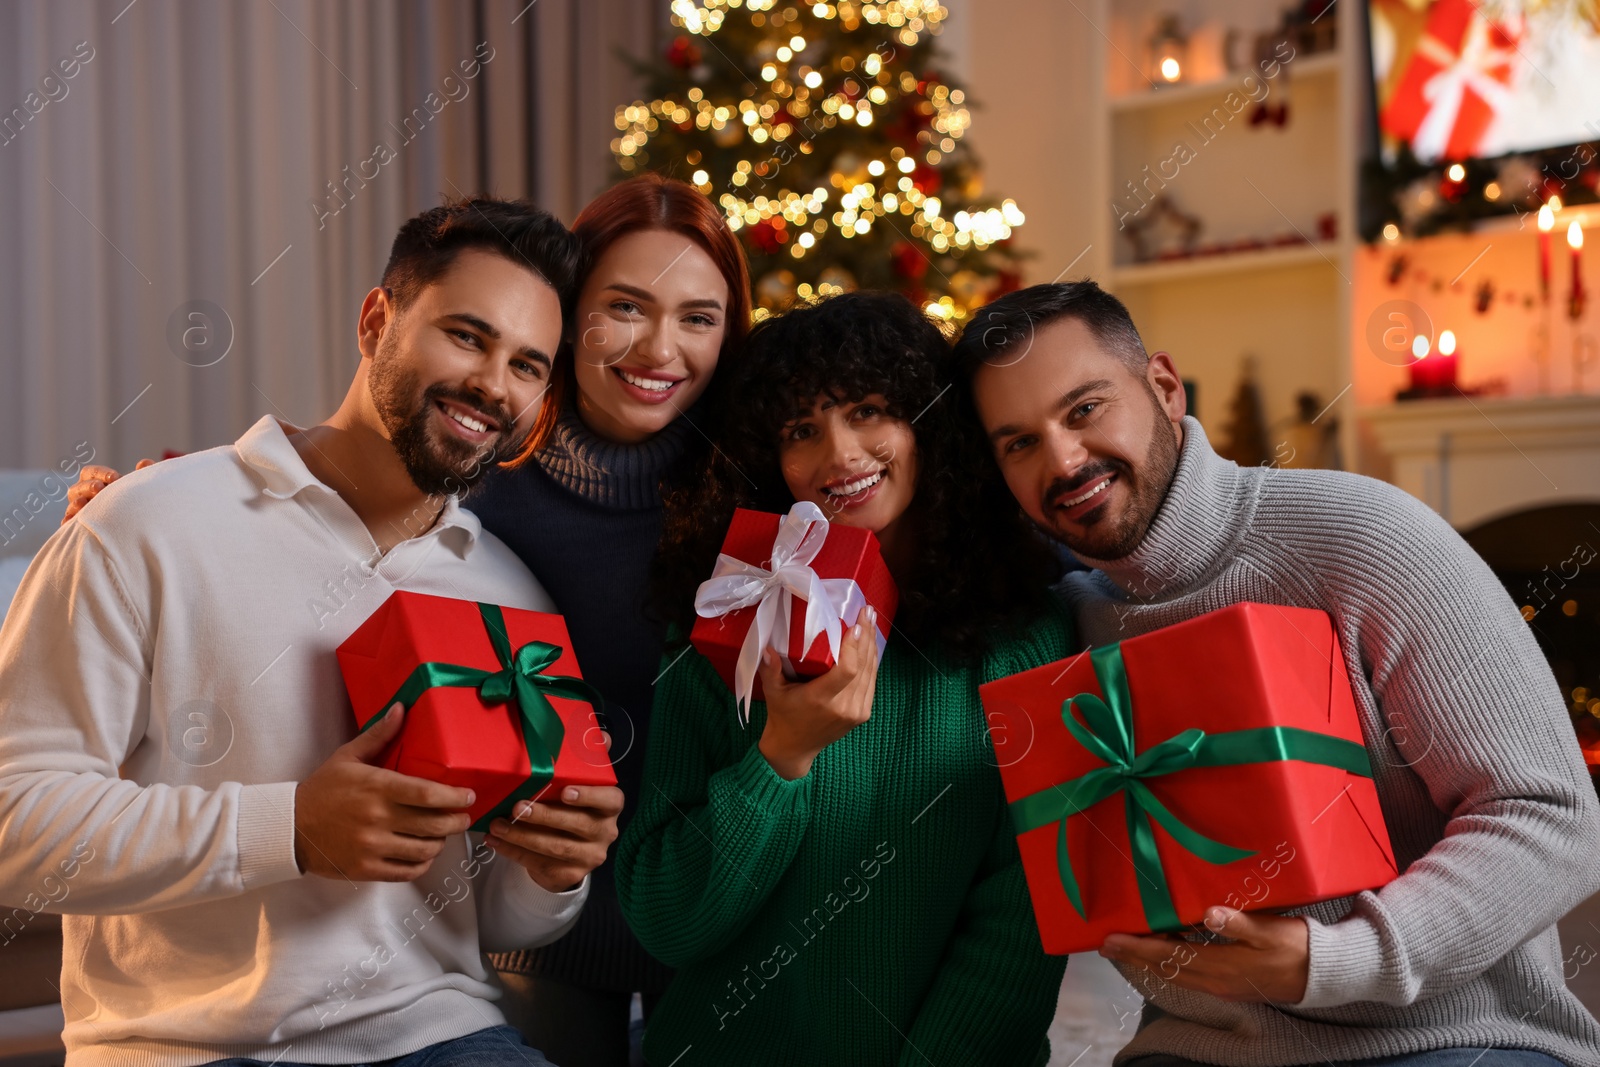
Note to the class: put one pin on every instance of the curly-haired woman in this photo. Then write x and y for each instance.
(838, 882)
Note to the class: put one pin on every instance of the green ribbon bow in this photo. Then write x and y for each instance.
(1108, 733)
(519, 681)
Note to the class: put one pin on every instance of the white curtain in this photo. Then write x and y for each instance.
(180, 178)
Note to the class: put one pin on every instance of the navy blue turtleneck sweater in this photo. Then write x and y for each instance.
(585, 516)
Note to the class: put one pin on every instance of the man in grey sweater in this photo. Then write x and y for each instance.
(1491, 813)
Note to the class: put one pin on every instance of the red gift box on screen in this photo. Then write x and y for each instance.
(495, 701)
(1216, 761)
(1456, 80)
(791, 582)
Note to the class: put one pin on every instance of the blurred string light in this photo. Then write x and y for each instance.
(911, 17)
(801, 96)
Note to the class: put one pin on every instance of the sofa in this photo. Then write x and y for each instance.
(31, 506)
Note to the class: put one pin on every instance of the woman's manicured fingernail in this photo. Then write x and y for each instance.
(570, 795)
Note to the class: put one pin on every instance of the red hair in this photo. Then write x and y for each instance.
(650, 202)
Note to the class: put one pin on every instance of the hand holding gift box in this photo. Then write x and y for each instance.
(495, 702)
(791, 583)
(1147, 778)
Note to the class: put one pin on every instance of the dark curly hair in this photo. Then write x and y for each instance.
(976, 562)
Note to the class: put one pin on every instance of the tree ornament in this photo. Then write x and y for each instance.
(908, 260)
(768, 235)
(683, 53)
(1484, 298)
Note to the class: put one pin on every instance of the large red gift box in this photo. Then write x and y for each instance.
(776, 573)
(495, 701)
(1455, 81)
(1216, 761)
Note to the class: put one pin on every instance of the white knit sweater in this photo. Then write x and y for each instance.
(167, 675)
(1491, 813)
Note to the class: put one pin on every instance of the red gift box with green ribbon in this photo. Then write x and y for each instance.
(494, 699)
(1216, 761)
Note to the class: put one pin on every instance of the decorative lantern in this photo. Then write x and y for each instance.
(1169, 52)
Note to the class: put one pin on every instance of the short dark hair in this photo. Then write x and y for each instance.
(1012, 320)
(427, 245)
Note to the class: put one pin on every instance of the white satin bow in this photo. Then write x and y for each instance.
(735, 584)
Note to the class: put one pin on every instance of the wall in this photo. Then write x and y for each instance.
(1029, 66)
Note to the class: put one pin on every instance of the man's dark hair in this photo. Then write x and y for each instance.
(1001, 331)
(427, 245)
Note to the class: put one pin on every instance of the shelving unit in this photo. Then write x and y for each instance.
(1263, 259)
(1286, 306)
(1326, 63)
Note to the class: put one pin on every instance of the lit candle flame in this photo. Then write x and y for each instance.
(1547, 219)
(1419, 346)
(1574, 235)
(1447, 343)
(1170, 69)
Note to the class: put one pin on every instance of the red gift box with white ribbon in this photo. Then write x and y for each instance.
(793, 583)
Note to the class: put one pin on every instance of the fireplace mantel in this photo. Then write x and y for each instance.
(1473, 459)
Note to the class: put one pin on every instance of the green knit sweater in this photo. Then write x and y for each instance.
(872, 912)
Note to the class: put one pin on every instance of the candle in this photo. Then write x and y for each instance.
(1434, 372)
(1547, 222)
(1575, 242)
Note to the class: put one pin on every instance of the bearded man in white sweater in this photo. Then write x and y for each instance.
(1490, 811)
(242, 882)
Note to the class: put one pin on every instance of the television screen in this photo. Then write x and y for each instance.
(1472, 79)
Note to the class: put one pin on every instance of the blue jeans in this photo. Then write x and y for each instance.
(1439, 1057)
(495, 1046)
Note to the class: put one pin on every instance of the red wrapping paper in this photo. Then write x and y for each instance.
(452, 735)
(1317, 831)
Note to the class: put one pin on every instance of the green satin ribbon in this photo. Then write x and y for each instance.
(520, 681)
(1107, 733)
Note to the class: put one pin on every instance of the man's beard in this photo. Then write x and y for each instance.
(1107, 539)
(438, 464)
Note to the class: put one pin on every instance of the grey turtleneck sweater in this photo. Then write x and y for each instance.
(585, 516)
(1492, 815)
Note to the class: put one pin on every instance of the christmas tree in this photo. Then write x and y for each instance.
(833, 146)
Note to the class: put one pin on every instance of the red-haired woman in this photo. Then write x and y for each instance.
(632, 406)
(664, 301)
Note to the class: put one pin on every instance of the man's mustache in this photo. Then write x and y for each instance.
(1062, 488)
